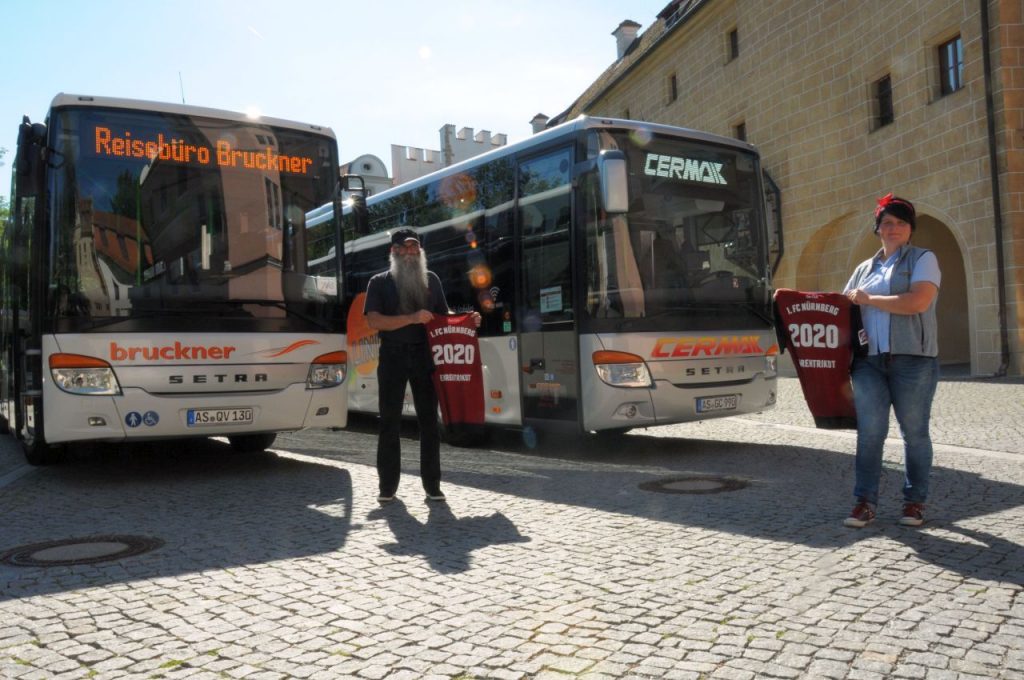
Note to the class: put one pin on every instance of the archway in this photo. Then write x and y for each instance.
(952, 309)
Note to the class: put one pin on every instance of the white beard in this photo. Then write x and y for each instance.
(411, 279)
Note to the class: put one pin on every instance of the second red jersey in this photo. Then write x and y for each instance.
(817, 329)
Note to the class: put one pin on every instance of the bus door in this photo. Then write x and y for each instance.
(547, 341)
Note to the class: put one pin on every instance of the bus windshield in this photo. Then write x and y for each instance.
(161, 220)
(691, 243)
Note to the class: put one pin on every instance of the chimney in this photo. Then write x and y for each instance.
(539, 122)
(625, 34)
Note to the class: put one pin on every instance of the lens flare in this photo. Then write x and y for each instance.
(485, 300)
(480, 276)
(641, 137)
(458, 191)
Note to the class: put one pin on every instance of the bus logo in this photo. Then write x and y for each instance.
(688, 169)
(175, 352)
(709, 346)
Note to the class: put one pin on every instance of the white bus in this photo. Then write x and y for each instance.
(154, 278)
(623, 270)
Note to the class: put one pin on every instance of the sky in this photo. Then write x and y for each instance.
(377, 73)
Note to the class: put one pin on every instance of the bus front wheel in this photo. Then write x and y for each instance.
(37, 452)
(252, 443)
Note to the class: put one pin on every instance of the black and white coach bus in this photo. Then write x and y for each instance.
(623, 270)
(154, 278)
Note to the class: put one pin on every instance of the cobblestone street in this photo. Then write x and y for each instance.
(583, 558)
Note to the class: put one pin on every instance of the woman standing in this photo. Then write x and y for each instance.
(896, 290)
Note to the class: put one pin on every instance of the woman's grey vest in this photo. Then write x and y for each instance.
(916, 334)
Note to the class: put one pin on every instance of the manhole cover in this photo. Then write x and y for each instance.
(72, 551)
(695, 485)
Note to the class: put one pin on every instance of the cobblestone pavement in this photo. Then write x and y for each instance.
(549, 563)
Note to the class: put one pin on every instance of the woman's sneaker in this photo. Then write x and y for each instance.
(913, 515)
(862, 514)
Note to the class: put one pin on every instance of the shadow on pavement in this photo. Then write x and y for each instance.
(444, 540)
(795, 494)
(212, 508)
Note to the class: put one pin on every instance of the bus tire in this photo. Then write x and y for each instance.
(612, 433)
(37, 452)
(252, 443)
(464, 436)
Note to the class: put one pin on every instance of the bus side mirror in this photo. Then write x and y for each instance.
(613, 179)
(354, 186)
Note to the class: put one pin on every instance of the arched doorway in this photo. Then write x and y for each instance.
(952, 310)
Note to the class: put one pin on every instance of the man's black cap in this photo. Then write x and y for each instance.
(400, 236)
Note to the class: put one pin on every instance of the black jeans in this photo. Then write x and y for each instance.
(398, 365)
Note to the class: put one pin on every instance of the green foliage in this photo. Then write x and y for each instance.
(5, 206)
(126, 200)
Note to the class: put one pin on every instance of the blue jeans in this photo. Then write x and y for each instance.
(906, 383)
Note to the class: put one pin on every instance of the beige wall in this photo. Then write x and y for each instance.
(803, 87)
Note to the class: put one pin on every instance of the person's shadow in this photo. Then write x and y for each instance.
(444, 540)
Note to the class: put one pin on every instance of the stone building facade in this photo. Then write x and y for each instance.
(847, 101)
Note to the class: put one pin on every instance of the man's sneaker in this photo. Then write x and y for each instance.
(913, 515)
(385, 498)
(436, 496)
(862, 514)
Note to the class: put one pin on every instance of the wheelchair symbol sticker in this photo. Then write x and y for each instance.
(150, 418)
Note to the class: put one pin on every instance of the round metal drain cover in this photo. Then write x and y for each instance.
(696, 484)
(72, 551)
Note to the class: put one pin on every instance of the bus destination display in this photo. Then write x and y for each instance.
(124, 144)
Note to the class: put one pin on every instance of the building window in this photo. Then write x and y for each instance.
(733, 49)
(740, 131)
(673, 88)
(951, 66)
(883, 101)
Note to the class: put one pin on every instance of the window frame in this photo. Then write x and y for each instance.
(951, 73)
(884, 109)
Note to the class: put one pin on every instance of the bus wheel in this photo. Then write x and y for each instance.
(38, 452)
(612, 433)
(466, 436)
(252, 443)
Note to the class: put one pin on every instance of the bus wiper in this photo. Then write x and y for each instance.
(758, 310)
(280, 305)
(102, 322)
(626, 324)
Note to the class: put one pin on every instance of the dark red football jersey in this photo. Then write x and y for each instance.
(459, 378)
(817, 329)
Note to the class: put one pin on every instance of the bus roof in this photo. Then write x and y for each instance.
(565, 129)
(63, 100)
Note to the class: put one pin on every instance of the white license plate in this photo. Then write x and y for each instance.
(197, 417)
(726, 402)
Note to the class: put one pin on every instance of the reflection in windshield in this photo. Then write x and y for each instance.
(168, 212)
(692, 239)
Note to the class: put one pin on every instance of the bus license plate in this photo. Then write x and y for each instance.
(725, 402)
(198, 417)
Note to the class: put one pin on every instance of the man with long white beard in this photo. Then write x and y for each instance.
(398, 304)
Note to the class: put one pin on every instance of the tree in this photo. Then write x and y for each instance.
(5, 208)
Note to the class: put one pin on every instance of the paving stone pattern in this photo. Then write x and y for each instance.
(546, 563)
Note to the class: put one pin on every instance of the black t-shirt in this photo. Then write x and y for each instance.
(382, 297)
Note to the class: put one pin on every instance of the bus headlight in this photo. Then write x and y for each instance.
(77, 374)
(771, 366)
(327, 370)
(622, 369)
